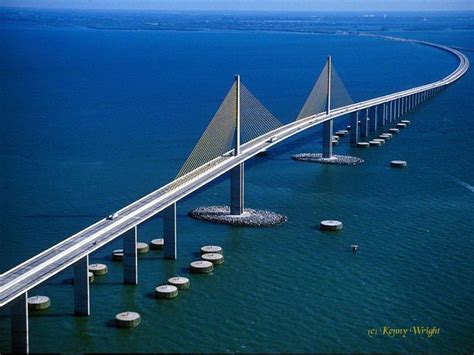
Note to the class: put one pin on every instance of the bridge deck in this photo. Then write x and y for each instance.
(55, 259)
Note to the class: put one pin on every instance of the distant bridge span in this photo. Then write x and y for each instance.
(75, 250)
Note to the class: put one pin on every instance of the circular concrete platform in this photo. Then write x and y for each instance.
(342, 132)
(330, 225)
(127, 319)
(211, 249)
(98, 269)
(374, 143)
(201, 267)
(38, 302)
(142, 248)
(157, 244)
(393, 130)
(214, 258)
(117, 255)
(166, 291)
(398, 163)
(363, 145)
(382, 141)
(181, 283)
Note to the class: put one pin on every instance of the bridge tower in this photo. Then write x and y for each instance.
(328, 126)
(237, 173)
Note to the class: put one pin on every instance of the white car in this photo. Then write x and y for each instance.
(112, 216)
(273, 139)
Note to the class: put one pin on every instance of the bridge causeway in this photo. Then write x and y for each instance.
(244, 128)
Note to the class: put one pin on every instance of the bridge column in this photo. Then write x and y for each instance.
(19, 324)
(384, 115)
(364, 127)
(237, 190)
(373, 118)
(354, 127)
(390, 112)
(328, 125)
(130, 262)
(327, 138)
(169, 232)
(81, 287)
(399, 106)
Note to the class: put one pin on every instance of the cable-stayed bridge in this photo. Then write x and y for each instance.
(241, 128)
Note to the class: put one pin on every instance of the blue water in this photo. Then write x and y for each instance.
(94, 119)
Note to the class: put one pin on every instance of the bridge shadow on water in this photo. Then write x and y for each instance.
(43, 314)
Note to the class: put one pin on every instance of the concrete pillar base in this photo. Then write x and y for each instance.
(237, 190)
(327, 138)
(81, 287)
(169, 232)
(19, 324)
(130, 263)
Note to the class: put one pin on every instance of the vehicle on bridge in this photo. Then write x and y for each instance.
(112, 216)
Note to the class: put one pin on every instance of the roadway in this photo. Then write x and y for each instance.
(41, 267)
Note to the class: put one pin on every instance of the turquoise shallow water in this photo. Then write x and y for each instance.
(93, 119)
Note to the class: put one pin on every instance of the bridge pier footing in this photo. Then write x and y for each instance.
(327, 138)
(237, 190)
(81, 287)
(169, 232)
(19, 324)
(354, 128)
(130, 262)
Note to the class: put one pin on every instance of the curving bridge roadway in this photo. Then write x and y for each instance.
(17, 281)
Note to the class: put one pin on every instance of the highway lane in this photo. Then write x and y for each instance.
(55, 259)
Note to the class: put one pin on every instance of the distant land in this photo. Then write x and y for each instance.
(322, 22)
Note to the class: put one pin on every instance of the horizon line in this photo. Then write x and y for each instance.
(235, 11)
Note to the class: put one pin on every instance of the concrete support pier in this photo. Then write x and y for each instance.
(364, 126)
(354, 128)
(130, 263)
(373, 113)
(81, 287)
(19, 324)
(384, 115)
(169, 232)
(327, 138)
(237, 190)
(328, 125)
(390, 112)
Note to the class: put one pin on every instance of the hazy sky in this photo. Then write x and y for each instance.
(285, 5)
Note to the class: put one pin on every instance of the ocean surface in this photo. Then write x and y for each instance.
(94, 118)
